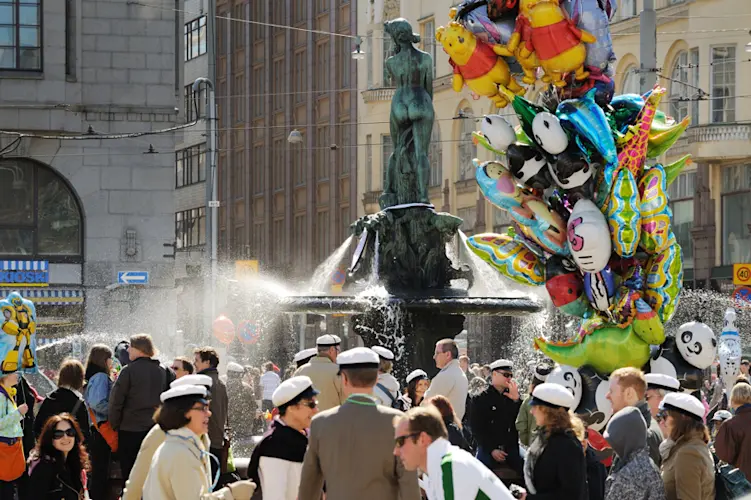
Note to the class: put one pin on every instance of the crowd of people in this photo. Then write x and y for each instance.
(339, 425)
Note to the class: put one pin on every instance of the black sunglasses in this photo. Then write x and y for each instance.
(661, 415)
(401, 439)
(58, 434)
(504, 374)
(310, 404)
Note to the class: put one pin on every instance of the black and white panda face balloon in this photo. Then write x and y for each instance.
(697, 344)
(528, 166)
(568, 377)
(499, 132)
(548, 133)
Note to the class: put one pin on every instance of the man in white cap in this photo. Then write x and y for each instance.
(493, 419)
(658, 386)
(324, 372)
(451, 380)
(350, 445)
(387, 387)
(421, 442)
(276, 462)
(302, 357)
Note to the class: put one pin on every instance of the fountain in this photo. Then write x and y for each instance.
(399, 285)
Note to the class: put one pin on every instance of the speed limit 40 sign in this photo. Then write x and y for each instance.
(742, 274)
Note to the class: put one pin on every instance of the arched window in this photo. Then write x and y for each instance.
(631, 80)
(467, 149)
(39, 214)
(684, 85)
(435, 154)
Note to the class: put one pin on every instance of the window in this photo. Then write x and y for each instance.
(345, 56)
(723, 84)
(190, 166)
(259, 31)
(300, 77)
(469, 219)
(238, 90)
(195, 103)
(277, 76)
(258, 243)
(299, 162)
(221, 33)
(299, 11)
(631, 84)
(501, 220)
(684, 87)
(323, 143)
(736, 214)
(628, 9)
(429, 41)
(277, 164)
(20, 35)
(387, 147)
(345, 219)
(435, 155)
(299, 232)
(322, 62)
(238, 27)
(190, 230)
(259, 167)
(195, 38)
(322, 6)
(70, 38)
(345, 147)
(41, 217)
(322, 235)
(369, 57)
(681, 195)
(238, 173)
(368, 163)
(257, 91)
(388, 51)
(278, 250)
(466, 149)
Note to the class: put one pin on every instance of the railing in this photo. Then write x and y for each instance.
(714, 133)
(387, 93)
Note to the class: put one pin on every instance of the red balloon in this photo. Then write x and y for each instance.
(224, 330)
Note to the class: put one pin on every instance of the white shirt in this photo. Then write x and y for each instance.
(269, 381)
(468, 475)
(452, 383)
(391, 386)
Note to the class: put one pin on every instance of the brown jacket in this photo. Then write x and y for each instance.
(351, 448)
(733, 441)
(324, 374)
(687, 469)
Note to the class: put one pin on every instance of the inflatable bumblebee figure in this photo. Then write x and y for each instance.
(19, 322)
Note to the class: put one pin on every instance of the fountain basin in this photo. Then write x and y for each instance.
(488, 306)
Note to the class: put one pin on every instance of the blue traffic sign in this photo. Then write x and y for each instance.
(133, 277)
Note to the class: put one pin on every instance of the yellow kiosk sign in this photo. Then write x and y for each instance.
(246, 269)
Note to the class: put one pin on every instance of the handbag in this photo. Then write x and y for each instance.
(12, 462)
(730, 482)
(106, 431)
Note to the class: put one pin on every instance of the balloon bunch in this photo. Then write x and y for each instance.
(593, 218)
(565, 42)
(18, 343)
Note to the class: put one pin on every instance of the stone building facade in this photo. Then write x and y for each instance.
(92, 207)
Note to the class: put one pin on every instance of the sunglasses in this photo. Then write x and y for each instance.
(58, 434)
(661, 415)
(175, 368)
(202, 408)
(505, 374)
(310, 404)
(399, 440)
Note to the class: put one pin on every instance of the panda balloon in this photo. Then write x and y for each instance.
(686, 356)
(529, 166)
(549, 134)
(568, 377)
(594, 408)
(499, 132)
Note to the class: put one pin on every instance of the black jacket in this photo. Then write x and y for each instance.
(24, 394)
(493, 421)
(456, 436)
(62, 400)
(135, 395)
(596, 474)
(561, 471)
(51, 480)
(219, 406)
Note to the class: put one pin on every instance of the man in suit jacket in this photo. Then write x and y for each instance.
(351, 446)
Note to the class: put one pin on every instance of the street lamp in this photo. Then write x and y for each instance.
(358, 54)
(295, 137)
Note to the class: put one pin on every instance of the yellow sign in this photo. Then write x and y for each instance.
(246, 268)
(742, 274)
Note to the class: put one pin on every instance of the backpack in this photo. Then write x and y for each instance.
(730, 482)
(394, 401)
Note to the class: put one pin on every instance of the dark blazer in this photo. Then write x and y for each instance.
(561, 471)
(62, 400)
(364, 468)
(51, 480)
(135, 395)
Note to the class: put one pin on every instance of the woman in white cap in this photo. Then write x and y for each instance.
(387, 387)
(181, 466)
(687, 465)
(417, 384)
(276, 462)
(555, 466)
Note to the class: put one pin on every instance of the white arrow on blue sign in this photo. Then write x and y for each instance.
(133, 277)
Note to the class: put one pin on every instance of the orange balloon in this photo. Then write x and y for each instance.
(224, 329)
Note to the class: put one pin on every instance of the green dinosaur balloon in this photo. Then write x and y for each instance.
(673, 169)
(606, 350)
(664, 133)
